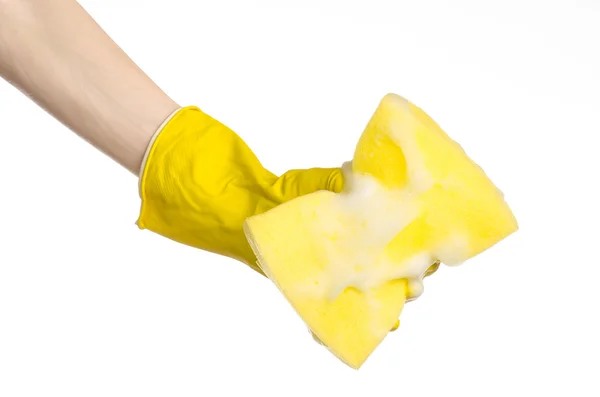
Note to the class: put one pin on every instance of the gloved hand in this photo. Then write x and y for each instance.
(200, 181)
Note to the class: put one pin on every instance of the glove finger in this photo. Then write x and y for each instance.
(432, 269)
(296, 183)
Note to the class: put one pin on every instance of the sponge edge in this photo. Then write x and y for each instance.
(348, 262)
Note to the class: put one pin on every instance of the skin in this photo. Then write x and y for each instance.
(56, 54)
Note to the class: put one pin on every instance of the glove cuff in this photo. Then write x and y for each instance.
(150, 144)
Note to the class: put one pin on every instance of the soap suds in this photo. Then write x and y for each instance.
(365, 217)
(402, 130)
(453, 251)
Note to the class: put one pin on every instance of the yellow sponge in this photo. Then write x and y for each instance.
(348, 262)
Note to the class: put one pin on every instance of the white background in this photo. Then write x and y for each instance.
(92, 306)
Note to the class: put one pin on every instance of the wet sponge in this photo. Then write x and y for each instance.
(347, 262)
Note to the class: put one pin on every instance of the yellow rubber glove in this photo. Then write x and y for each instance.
(200, 181)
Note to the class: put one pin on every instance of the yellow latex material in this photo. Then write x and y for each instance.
(459, 213)
(201, 181)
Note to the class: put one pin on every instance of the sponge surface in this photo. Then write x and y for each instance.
(348, 262)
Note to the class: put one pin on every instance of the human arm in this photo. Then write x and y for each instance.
(199, 180)
(55, 53)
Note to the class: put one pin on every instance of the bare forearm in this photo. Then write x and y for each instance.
(55, 53)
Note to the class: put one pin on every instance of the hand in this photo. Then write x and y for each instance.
(200, 182)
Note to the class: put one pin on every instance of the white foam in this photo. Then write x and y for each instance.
(364, 219)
